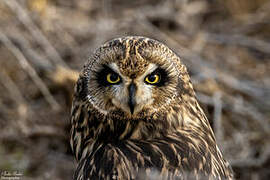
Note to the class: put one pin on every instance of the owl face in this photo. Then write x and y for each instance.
(112, 88)
(130, 81)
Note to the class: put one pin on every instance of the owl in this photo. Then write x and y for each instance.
(135, 116)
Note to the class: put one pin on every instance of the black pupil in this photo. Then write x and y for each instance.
(152, 77)
(114, 77)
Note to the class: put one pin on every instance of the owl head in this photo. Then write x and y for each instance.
(133, 76)
(133, 88)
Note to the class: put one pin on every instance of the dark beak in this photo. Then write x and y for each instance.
(131, 100)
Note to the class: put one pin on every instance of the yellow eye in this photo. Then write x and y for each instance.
(113, 78)
(152, 79)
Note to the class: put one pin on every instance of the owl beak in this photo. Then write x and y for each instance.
(132, 100)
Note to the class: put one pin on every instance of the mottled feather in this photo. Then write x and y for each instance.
(167, 137)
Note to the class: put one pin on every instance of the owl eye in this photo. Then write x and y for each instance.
(113, 78)
(152, 79)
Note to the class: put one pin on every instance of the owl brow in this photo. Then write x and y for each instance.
(106, 68)
(101, 74)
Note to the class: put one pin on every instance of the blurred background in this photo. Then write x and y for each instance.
(44, 44)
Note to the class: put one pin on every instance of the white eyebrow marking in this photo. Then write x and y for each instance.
(114, 67)
(151, 68)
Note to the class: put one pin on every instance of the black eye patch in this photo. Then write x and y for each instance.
(102, 76)
(162, 74)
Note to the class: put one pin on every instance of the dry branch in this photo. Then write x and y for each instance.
(30, 70)
(218, 128)
(240, 40)
(24, 17)
(23, 109)
(39, 61)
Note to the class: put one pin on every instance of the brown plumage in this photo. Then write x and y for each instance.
(135, 116)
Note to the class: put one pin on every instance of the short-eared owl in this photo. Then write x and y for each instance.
(135, 116)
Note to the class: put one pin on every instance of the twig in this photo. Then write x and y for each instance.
(12, 88)
(217, 116)
(30, 70)
(45, 130)
(39, 62)
(36, 32)
(252, 162)
(244, 108)
(23, 109)
(204, 98)
(16, 95)
(70, 41)
(238, 39)
(248, 109)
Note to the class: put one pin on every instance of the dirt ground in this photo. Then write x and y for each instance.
(44, 43)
